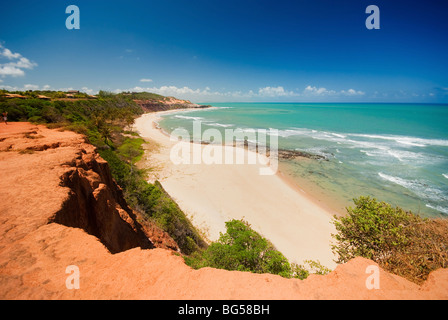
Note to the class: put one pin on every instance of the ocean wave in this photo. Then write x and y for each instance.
(438, 208)
(420, 188)
(290, 132)
(321, 151)
(370, 154)
(187, 117)
(405, 140)
(338, 135)
(406, 155)
(378, 146)
(369, 140)
(396, 180)
(445, 175)
(216, 124)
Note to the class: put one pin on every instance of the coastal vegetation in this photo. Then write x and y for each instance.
(243, 249)
(103, 121)
(401, 242)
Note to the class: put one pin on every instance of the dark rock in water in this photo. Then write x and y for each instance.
(286, 154)
(293, 154)
(282, 153)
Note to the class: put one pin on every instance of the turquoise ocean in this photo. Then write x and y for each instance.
(397, 153)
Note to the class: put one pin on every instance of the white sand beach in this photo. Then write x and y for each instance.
(211, 194)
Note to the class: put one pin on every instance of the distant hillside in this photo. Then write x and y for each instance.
(147, 101)
(151, 102)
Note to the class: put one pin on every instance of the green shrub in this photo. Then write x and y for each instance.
(302, 272)
(242, 249)
(131, 149)
(399, 241)
(36, 119)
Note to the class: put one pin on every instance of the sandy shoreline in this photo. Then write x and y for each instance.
(211, 194)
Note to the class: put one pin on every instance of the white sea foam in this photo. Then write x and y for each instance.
(321, 151)
(438, 208)
(396, 180)
(402, 155)
(420, 188)
(188, 117)
(216, 124)
(338, 135)
(410, 143)
(370, 154)
(381, 149)
(405, 140)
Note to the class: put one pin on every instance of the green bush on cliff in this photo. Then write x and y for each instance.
(243, 249)
(399, 241)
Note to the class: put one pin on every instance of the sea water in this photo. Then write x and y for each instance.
(397, 153)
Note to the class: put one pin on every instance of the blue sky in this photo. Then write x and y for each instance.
(246, 50)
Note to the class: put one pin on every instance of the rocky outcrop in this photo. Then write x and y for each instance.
(59, 207)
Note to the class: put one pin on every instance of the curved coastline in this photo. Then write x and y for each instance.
(211, 194)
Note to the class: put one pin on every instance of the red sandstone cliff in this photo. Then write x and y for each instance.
(59, 206)
(168, 104)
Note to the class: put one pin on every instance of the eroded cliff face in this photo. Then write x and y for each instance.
(95, 204)
(60, 207)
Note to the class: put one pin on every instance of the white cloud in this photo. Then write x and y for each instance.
(352, 92)
(24, 63)
(314, 91)
(309, 90)
(15, 65)
(7, 70)
(87, 90)
(275, 92)
(31, 87)
(35, 87)
(16, 88)
(173, 91)
(145, 80)
(262, 94)
(8, 54)
(206, 93)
